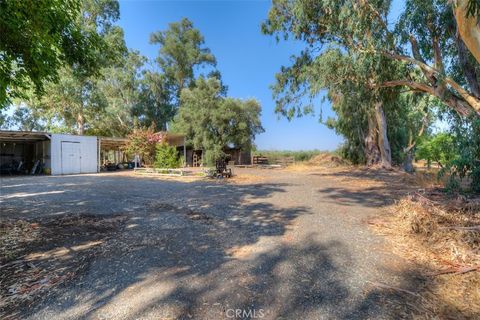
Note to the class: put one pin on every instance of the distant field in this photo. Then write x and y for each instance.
(301, 155)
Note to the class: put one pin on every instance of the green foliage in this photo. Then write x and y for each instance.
(38, 37)
(79, 99)
(473, 8)
(439, 148)
(119, 86)
(457, 152)
(212, 122)
(27, 119)
(301, 155)
(467, 162)
(181, 51)
(155, 106)
(166, 156)
(354, 54)
(143, 142)
(340, 68)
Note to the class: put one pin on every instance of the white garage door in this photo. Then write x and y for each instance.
(71, 157)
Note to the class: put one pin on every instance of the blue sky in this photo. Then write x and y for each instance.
(247, 59)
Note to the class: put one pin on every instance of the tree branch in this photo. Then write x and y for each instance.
(412, 142)
(451, 100)
(458, 104)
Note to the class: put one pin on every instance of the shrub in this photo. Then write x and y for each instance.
(143, 141)
(166, 156)
(439, 148)
(467, 162)
(457, 153)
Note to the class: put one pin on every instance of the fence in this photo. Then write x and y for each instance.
(256, 160)
(262, 160)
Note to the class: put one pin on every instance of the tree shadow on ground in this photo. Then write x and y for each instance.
(38, 254)
(367, 187)
(171, 224)
(203, 250)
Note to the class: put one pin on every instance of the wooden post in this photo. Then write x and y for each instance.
(99, 156)
(185, 151)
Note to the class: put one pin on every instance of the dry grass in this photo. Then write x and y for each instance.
(321, 162)
(245, 179)
(186, 179)
(441, 235)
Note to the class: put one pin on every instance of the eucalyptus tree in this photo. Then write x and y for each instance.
(27, 119)
(182, 52)
(155, 106)
(467, 13)
(420, 54)
(448, 70)
(331, 61)
(351, 22)
(76, 99)
(37, 38)
(121, 87)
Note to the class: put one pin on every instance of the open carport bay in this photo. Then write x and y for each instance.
(25, 152)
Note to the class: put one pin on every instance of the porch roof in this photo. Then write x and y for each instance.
(23, 136)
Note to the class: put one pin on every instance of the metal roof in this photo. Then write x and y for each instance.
(112, 142)
(23, 136)
(106, 142)
(173, 139)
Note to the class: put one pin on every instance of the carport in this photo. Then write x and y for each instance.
(29, 152)
(24, 152)
(110, 153)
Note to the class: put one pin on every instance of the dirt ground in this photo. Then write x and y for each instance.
(270, 244)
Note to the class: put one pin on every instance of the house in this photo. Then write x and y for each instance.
(193, 157)
(237, 155)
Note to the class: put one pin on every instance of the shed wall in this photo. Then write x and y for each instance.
(88, 152)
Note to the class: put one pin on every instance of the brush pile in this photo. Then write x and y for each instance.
(326, 159)
(441, 235)
(451, 227)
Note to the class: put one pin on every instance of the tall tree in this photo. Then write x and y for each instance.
(420, 54)
(213, 122)
(156, 107)
(27, 119)
(182, 52)
(340, 69)
(467, 13)
(362, 26)
(121, 86)
(38, 37)
(76, 99)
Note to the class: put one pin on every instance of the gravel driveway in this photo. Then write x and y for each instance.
(289, 245)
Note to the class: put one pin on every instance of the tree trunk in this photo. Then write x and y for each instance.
(408, 163)
(372, 154)
(80, 124)
(468, 68)
(468, 28)
(383, 143)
